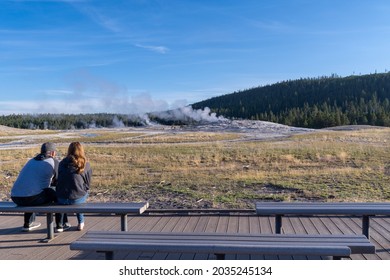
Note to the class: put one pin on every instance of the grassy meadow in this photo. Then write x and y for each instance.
(218, 169)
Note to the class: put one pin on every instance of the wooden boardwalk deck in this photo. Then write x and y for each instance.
(15, 245)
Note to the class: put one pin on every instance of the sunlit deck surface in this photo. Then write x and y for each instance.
(17, 245)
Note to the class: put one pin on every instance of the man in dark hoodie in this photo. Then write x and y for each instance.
(33, 185)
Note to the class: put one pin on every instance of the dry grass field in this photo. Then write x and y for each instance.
(179, 168)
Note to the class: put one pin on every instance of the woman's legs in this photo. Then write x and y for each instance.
(80, 216)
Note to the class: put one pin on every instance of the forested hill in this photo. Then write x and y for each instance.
(311, 102)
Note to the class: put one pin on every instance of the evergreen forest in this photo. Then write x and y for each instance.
(311, 102)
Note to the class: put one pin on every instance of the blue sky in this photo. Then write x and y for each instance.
(135, 56)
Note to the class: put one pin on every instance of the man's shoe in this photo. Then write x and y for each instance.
(64, 227)
(67, 226)
(31, 226)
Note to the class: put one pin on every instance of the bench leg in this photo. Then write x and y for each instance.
(124, 222)
(109, 255)
(50, 228)
(278, 224)
(366, 226)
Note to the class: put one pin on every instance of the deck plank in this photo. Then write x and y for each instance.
(266, 224)
(212, 224)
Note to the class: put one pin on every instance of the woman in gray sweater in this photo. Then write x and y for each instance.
(74, 179)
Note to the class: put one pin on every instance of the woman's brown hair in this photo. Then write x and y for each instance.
(77, 156)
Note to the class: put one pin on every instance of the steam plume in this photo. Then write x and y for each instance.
(189, 115)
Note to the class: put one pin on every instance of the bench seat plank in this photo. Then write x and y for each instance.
(357, 243)
(90, 207)
(311, 208)
(221, 244)
(366, 210)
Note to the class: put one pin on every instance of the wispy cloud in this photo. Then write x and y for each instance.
(57, 92)
(48, 106)
(158, 49)
(88, 93)
(115, 26)
(18, 107)
(74, 104)
(98, 17)
(271, 25)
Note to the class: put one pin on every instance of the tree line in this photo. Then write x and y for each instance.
(69, 121)
(97, 120)
(311, 102)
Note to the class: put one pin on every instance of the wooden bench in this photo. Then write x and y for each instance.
(366, 210)
(336, 246)
(122, 209)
